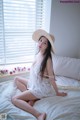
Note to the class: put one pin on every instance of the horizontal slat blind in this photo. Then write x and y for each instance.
(2, 59)
(18, 20)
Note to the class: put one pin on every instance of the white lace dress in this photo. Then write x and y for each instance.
(39, 87)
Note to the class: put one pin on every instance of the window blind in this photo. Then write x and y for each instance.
(18, 20)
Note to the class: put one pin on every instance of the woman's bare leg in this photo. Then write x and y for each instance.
(21, 84)
(20, 101)
(31, 102)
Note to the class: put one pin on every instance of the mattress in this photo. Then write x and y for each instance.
(56, 107)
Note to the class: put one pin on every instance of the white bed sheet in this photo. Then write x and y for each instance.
(67, 83)
(56, 108)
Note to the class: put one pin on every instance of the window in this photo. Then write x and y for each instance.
(18, 20)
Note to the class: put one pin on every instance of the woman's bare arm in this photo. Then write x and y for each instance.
(52, 77)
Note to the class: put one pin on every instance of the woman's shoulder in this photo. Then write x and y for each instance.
(49, 61)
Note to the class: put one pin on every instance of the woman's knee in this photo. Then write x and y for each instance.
(16, 79)
(14, 98)
(20, 83)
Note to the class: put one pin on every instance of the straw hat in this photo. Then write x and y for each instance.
(38, 33)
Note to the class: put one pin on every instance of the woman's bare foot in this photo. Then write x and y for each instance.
(31, 102)
(42, 116)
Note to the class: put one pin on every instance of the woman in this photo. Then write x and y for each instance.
(42, 77)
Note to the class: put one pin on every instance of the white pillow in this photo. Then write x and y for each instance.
(65, 66)
(67, 83)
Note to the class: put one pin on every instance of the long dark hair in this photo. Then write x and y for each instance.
(46, 54)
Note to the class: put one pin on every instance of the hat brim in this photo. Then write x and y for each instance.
(38, 33)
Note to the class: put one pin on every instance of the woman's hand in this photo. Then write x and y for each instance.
(61, 94)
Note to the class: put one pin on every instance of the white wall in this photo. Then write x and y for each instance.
(65, 25)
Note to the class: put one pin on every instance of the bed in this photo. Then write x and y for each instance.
(57, 107)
